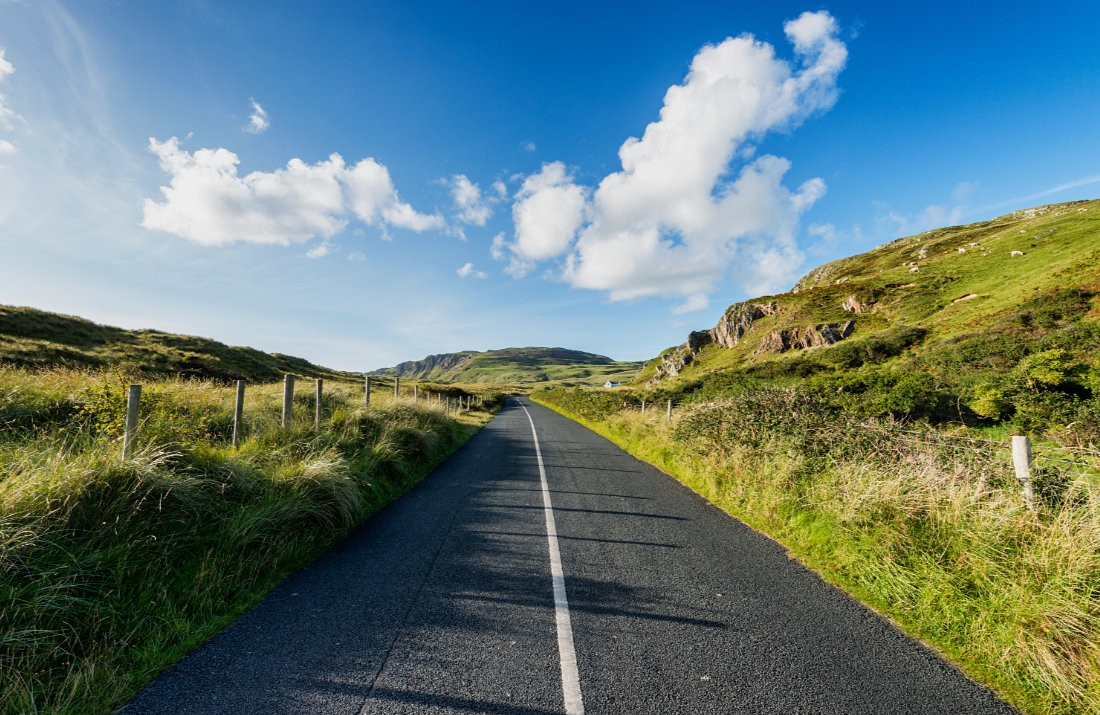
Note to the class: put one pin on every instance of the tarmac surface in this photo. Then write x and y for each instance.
(444, 603)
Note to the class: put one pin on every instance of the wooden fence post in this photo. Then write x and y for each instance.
(396, 386)
(643, 407)
(133, 407)
(317, 405)
(1021, 460)
(668, 414)
(367, 398)
(238, 415)
(416, 392)
(288, 400)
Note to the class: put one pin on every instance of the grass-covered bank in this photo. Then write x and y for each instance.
(925, 525)
(112, 569)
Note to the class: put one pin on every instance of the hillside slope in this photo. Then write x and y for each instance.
(517, 366)
(36, 338)
(962, 304)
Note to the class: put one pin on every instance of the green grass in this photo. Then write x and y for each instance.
(37, 339)
(927, 529)
(1061, 250)
(112, 569)
(519, 368)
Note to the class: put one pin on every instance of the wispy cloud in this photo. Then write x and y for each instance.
(207, 202)
(473, 207)
(6, 113)
(321, 250)
(691, 205)
(468, 271)
(528, 146)
(258, 121)
(1020, 201)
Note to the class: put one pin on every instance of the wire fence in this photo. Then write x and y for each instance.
(1033, 462)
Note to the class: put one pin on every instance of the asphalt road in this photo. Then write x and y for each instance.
(444, 603)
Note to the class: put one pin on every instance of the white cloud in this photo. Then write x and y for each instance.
(693, 304)
(320, 250)
(209, 203)
(472, 206)
(357, 256)
(6, 114)
(692, 204)
(501, 189)
(528, 146)
(499, 248)
(468, 271)
(548, 211)
(891, 223)
(258, 121)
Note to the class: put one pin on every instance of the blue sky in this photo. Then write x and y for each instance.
(374, 182)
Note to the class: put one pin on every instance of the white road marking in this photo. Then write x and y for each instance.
(570, 679)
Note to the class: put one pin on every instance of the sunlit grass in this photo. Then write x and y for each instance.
(935, 537)
(113, 568)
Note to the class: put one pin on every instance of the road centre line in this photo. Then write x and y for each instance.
(570, 679)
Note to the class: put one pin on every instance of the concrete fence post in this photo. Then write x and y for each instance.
(1021, 460)
(133, 408)
(238, 415)
(288, 400)
(643, 407)
(317, 405)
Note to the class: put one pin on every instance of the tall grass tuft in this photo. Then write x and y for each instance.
(111, 568)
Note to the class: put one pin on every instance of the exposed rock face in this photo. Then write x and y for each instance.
(737, 321)
(733, 325)
(432, 366)
(780, 341)
(853, 304)
(672, 364)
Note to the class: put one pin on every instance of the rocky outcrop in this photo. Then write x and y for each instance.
(672, 364)
(431, 367)
(810, 336)
(737, 321)
(852, 304)
(729, 331)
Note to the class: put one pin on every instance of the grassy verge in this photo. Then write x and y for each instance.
(111, 569)
(927, 529)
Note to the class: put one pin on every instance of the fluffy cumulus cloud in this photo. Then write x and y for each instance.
(691, 205)
(258, 121)
(549, 209)
(208, 202)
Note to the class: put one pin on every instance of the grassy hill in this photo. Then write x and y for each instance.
(34, 338)
(517, 366)
(992, 320)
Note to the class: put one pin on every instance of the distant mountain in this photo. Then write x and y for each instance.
(517, 366)
(36, 338)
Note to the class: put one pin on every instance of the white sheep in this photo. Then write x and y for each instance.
(962, 250)
(914, 269)
(1016, 253)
